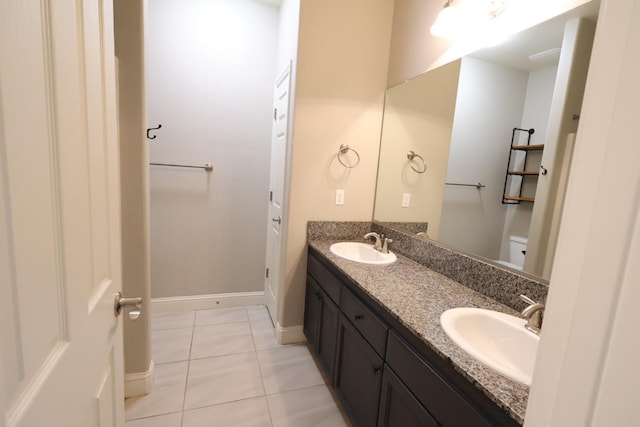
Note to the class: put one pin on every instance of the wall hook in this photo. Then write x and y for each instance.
(150, 129)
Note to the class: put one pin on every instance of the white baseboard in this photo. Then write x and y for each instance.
(139, 383)
(289, 334)
(205, 302)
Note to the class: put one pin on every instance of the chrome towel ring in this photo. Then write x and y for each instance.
(343, 150)
(411, 155)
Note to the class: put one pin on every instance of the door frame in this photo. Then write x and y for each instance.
(281, 333)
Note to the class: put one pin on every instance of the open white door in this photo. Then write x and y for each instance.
(60, 343)
(276, 186)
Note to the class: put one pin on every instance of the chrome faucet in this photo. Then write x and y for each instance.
(534, 313)
(378, 243)
(381, 243)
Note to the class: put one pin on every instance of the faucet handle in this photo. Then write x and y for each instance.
(385, 245)
(527, 299)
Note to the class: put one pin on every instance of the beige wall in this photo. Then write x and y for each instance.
(342, 70)
(418, 117)
(414, 50)
(129, 45)
(343, 54)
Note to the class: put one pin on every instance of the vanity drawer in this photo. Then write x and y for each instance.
(327, 281)
(446, 404)
(366, 322)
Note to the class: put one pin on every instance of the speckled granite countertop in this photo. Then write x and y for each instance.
(417, 296)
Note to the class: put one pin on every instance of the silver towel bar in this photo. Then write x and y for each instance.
(478, 185)
(207, 166)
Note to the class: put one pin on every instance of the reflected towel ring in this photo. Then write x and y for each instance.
(411, 155)
(343, 150)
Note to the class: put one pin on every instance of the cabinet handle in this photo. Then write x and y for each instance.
(318, 295)
(359, 316)
(377, 369)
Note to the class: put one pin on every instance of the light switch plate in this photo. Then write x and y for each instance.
(406, 200)
(339, 197)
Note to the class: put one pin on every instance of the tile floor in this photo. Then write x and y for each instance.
(224, 368)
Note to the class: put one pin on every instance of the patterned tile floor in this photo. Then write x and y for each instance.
(223, 368)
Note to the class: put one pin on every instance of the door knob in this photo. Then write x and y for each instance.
(278, 220)
(120, 302)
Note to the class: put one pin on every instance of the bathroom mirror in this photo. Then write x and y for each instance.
(447, 136)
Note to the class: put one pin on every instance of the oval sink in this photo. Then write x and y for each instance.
(362, 252)
(496, 339)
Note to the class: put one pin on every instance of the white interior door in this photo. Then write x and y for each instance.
(60, 343)
(276, 186)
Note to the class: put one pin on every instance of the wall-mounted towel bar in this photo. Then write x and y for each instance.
(478, 185)
(207, 166)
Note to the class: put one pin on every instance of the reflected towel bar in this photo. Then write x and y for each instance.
(207, 166)
(478, 185)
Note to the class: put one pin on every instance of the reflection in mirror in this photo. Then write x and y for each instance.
(478, 194)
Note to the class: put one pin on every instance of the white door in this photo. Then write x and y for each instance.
(276, 186)
(60, 343)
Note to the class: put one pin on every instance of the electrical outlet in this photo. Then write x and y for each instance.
(339, 197)
(406, 200)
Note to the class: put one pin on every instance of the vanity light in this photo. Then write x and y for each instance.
(446, 22)
(459, 17)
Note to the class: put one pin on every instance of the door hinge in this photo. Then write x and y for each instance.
(275, 113)
(271, 196)
(267, 274)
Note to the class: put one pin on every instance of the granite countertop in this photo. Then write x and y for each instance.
(417, 296)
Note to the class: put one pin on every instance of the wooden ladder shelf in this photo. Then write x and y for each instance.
(510, 199)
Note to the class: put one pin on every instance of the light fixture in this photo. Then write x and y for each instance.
(447, 21)
(459, 17)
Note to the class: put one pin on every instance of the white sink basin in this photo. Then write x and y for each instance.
(362, 252)
(496, 339)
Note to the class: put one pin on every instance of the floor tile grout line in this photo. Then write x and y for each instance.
(190, 359)
(264, 390)
(186, 380)
(222, 323)
(254, 328)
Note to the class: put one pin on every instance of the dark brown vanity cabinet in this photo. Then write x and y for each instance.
(358, 374)
(398, 406)
(321, 324)
(444, 402)
(384, 375)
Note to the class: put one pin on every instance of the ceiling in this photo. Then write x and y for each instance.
(516, 50)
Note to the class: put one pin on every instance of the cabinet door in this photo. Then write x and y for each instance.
(312, 309)
(328, 334)
(321, 325)
(398, 407)
(447, 404)
(358, 375)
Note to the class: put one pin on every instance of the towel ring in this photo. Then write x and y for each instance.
(343, 150)
(411, 155)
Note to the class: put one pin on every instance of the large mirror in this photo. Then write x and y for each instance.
(448, 170)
